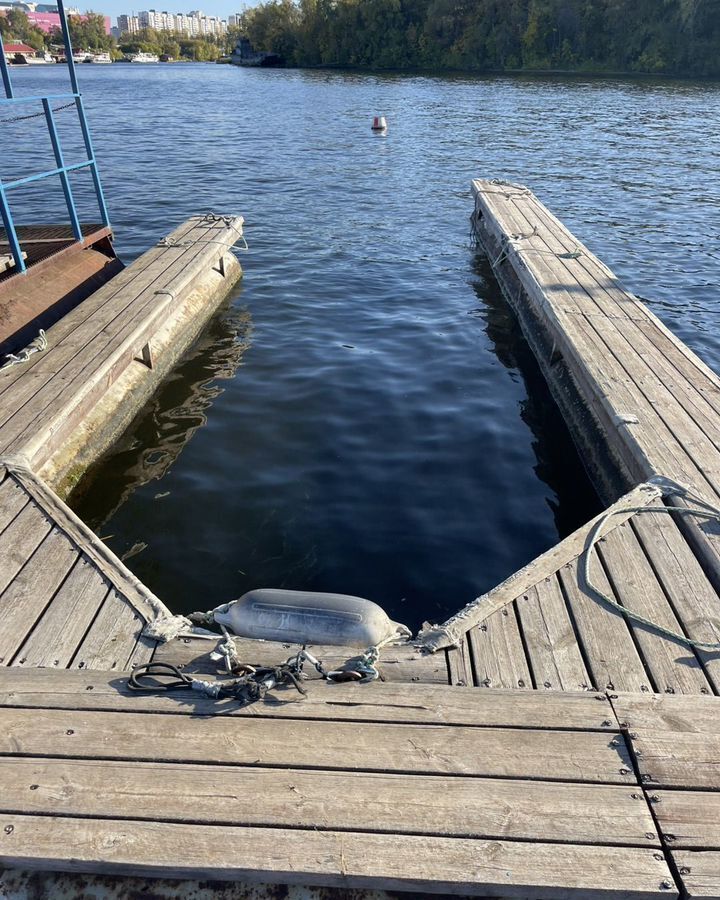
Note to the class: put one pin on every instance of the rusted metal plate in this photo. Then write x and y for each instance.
(61, 273)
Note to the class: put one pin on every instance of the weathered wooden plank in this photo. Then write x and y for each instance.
(688, 819)
(648, 333)
(665, 712)
(101, 349)
(613, 387)
(699, 873)
(678, 759)
(693, 598)
(673, 666)
(547, 282)
(552, 648)
(20, 540)
(664, 394)
(142, 653)
(608, 340)
(401, 663)
(498, 652)
(376, 701)
(459, 668)
(402, 804)
(459, 750)
(609, 649)
(345, 859)
(12, 500)
(56, 636)
(112, 637)
(445, 635)
(141, 598)
(22, 381)
(29, 593)
(688, 364)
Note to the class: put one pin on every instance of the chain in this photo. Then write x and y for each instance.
(35, 115)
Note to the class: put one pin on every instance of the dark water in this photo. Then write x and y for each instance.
(364, 417)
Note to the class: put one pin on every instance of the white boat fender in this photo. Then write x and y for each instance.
(304, 617)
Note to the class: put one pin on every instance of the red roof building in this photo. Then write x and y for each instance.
(17, 48)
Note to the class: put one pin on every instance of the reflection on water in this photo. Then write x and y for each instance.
(387, 433)
(573, 500)
(162, 429)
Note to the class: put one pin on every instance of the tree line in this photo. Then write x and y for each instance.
(88, 33)
(675, 37)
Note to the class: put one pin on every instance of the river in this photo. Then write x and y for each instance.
(363, 416)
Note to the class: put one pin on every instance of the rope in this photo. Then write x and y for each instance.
(212, 218)
(248, 688)
(518, 190)
(710, 512)
(35, 346)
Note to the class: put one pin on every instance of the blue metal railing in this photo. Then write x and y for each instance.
(62, 171)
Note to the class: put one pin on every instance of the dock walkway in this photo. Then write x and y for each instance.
(638, 402)
(550, 747)
(396, 787)
(115, 346)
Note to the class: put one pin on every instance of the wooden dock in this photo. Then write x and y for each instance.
(549, 747)
(638, 402)
(411, 787)
(66, 405)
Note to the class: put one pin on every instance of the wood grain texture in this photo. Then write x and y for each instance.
(373, 702)
(674, 667)
(351, 801)
(55, 638)
(690, 818)
(112, 638)
(24, 601)
(680, 760)
(699, 873)
(666, 712)
(20, 540)
(398, 663)
(349, 860)
(428, 749)
(552, 647)
(607, 642)
(498, 653)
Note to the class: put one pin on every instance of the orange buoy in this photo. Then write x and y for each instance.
(379, 123)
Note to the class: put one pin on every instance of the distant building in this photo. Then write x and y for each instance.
(193, 24)
(44, 16)
(128, 24)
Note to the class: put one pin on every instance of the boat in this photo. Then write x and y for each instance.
(244, 54)
(81, 56)
(145, 58)
(40, 58)
(100, 58)
(24, 55)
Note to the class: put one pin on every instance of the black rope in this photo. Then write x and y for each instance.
(253, 686)
(172, 678)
